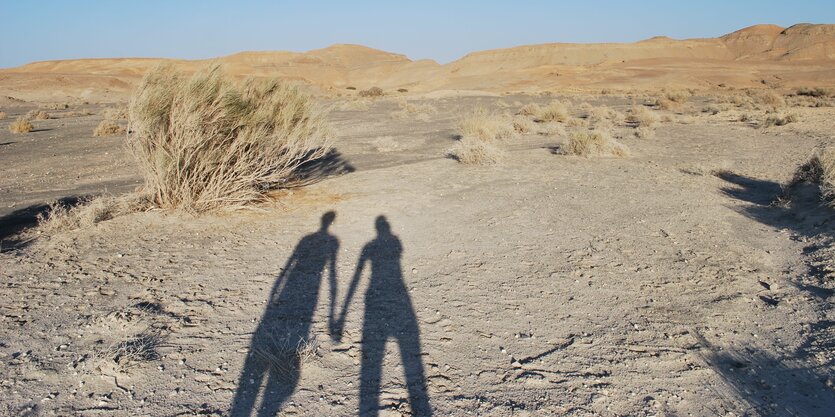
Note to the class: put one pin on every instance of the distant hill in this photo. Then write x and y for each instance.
(801, 55)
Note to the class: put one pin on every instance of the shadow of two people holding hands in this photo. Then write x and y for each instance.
(272, 368)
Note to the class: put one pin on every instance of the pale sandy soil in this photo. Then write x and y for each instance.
(545, 285)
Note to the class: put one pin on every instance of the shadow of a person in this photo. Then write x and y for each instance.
(285, 326)
(388, 314)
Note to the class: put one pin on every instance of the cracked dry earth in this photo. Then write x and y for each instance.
(546, 285)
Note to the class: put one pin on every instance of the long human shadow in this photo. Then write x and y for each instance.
(388, 314)
(273, 366)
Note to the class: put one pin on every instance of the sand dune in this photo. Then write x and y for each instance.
(801, 55)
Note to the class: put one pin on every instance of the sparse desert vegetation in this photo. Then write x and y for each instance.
(38, 115)
(2, 115)
(486, 126)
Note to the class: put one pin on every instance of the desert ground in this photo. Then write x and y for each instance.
(667, 282)
(547, 230)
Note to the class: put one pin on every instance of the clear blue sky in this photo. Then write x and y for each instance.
(440, 30)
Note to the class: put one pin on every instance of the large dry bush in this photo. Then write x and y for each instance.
(21, 125)
(820, 170)
(593, 143)
(205, 142)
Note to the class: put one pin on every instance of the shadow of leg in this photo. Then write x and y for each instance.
(248, 386)
(371, 369)
(281, 384)
(409, 343)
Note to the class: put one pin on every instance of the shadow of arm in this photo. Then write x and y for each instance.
(340, 323)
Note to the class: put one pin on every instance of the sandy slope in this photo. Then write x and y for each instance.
(801, 55)
(547, 285)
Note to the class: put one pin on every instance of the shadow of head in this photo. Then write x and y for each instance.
(382, 225)
(327, 219)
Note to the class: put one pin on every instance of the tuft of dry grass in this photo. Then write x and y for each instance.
(38, 115)
(2, 115)
(523, 125)
(109, 128)
(642, 117)
(819, 170)
(471, 150)
(555, 111)
(372, 92)
(61, 218)
(530, 109)
(588, 143)
(771, 99)
(486, 126)
(139, 348)
(206, 143)
(21, 125)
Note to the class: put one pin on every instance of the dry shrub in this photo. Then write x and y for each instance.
(372, 92)
(576, 122)
(597, 114)
(819, 170)
(21, 125)
(139, 348)
(37, 115)
(109, 128)
(475, 151)
(116, 113)
(771, 99)
(779, 120)
(486, 126)
(550, 129)
(593, 143)
(816, 92)
(555, 111)
(205, 142)
(644, 132)
(530, 109)
(523, 124)
(2, 115)
(58, 106)
(60, 217)
(642, 116)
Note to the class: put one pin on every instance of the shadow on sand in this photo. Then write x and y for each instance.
(14, 223)
(388, 315)
(272, 368)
